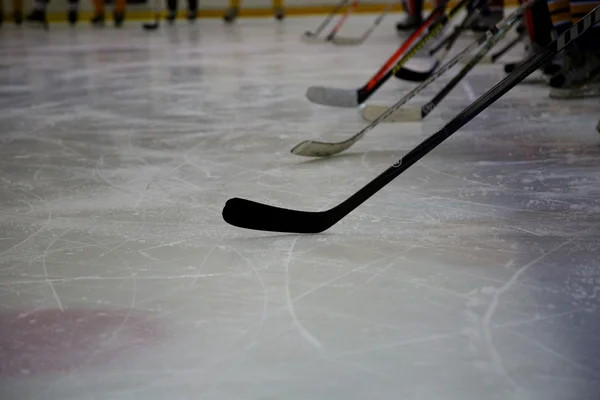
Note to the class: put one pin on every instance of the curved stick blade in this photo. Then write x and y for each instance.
(332, 96)
(413, 76)
(306, 38)
(252, 215)
(372, 112)
(314, 148)
(151, 26)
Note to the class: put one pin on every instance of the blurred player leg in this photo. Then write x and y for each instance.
(278, 9)
(414, 15)
(119, 12)
(38, 15)
(172, 11)
(72, 11)
(539, 27)
(232, 12)
(580, 75)
(192, 10)
(98, 18)
(17, 11)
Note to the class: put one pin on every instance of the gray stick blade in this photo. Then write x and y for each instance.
(314, 148)
(312, 39)
(372, 112)
(332, 96)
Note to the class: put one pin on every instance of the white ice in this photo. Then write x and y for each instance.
(474, 275)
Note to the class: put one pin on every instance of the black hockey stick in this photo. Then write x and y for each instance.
(371, 112)
(408, 74)
(494, 57)
(359, 40)
(251, 215)
(336, 28)
(378, 114)
(443, 43)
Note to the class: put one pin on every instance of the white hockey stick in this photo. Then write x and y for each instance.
(312, 148)
(359, 40)
(309, 36)
(316, 39)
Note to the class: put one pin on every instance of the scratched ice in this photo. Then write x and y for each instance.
(475, 275)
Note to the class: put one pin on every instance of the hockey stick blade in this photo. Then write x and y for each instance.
(411, 75)
(326, 21)
(352, 41)
(313, 39)
(326, 149)
(150, 26)
(373, 112)
(332, 96)
(252, 215)
(408, 73)
(315, 148)
(353, 98)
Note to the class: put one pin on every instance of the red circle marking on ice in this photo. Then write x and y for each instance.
(51, 340)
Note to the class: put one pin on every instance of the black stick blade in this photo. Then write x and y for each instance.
(413, 76)
(152, 26)
(251, 215)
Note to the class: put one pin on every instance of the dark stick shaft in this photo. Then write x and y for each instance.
(468, 114)
(364, 93)
(252, 215)
(431, 105)
(330, 17)
(509, 46)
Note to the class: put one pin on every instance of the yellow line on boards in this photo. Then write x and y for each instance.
(137, 15)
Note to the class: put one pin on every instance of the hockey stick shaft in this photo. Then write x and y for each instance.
(375, 24)
(329, 17)
(154, 24)
(252, 215)
(406, 45)
(341, 22)
(502, 25)
(378, 20)
(506, 48)
(450, 39)
(365, 92)
(453, 37)
(406, 73)
(499, 34)
(469, 113)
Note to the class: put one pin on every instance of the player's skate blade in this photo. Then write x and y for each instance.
(372, 112)
(332, 96)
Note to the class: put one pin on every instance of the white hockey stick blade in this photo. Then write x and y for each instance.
(372, 112)
(313, 148)
(313, 39)
(347, 41)
(332, 96)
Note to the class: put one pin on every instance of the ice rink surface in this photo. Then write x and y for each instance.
(474, 275)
